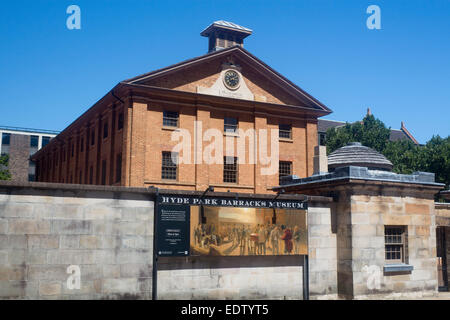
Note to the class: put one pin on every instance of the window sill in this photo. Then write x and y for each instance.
(286, 140)
(397, 267)
(231, 185)
(231, 134)
(169, 128)
(169, 182)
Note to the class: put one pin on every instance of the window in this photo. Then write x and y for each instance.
(285, 131)
(103, 182)
(72, 149)
(34, 141)
(230, 169)
(170, 119)
(284, 169)
(118, 167)
(31, 171)
(230, 124)
(92, 137)
(395, 239)
(81, 144)
(6, 139)
(120, 121)
(322, 139)
(105, 131)
(169, 165)
(45, 141)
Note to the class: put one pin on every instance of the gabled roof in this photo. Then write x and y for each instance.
(323, 124)
(246, 56)
(397, 135)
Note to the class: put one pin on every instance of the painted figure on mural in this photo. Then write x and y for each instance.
(274, 240)
(297, 239)
(262, 240)
(287, 237)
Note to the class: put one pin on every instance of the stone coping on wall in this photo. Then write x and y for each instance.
(152, 191)
(352, 174)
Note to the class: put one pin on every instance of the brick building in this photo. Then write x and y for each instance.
(19, 144)
(125, 138)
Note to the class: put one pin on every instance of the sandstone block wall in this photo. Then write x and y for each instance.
(322, 251)
(108, 235)
(369, 216)
(231, 278)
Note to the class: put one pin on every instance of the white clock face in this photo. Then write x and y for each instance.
(231, 79)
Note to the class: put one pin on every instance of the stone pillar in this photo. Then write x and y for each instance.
(322, 251)
(320, 159)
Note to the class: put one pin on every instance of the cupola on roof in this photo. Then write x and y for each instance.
(224, 34)
(355, 154)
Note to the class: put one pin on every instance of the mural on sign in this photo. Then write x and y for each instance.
(231, 231)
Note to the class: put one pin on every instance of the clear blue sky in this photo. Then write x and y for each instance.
(50, 75)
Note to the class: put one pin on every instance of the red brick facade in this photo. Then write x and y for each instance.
(75, 157)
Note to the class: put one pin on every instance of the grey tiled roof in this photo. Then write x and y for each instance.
(397, 135)
(323, 125)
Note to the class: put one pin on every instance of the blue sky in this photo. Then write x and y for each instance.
(50, 75)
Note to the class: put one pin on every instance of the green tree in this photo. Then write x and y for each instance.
(406, 156)
(371, 132)
(438, 158)
(4, 172)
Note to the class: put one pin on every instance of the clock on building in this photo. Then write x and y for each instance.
(231, 79)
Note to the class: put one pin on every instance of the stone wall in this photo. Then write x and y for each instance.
(373, 208)
(443, 219)
(322, 243)
(231, 278)
(108, 233)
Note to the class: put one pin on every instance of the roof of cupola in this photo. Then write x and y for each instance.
(355, 154)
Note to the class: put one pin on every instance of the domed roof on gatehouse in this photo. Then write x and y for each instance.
(355, 154)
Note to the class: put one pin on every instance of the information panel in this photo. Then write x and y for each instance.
(173, 230)
(230, 227)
